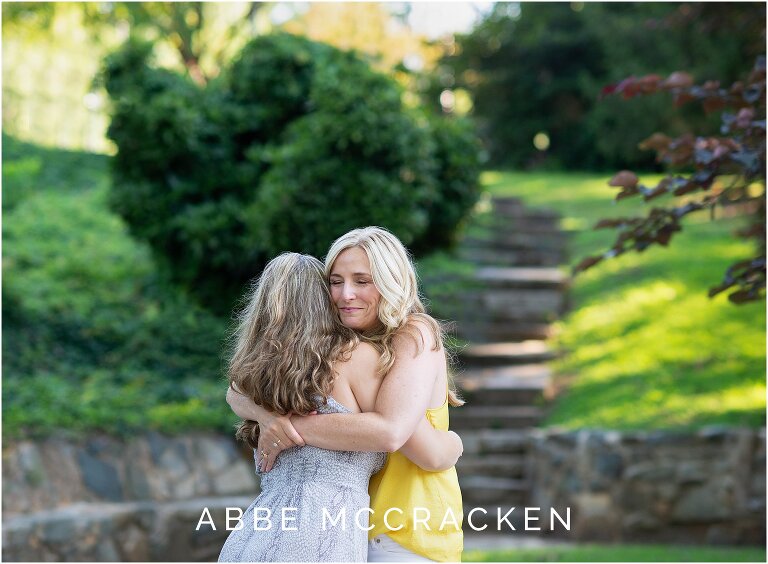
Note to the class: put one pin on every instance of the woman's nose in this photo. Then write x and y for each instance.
(349, 293)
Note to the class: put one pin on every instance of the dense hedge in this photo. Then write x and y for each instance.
(295, 144)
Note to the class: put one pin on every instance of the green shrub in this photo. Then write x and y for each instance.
(269, 85)
(28, 170)
(295, 144)
(357, 159)
(457, 154)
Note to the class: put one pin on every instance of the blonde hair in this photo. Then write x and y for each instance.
(400, 308)
(286, 340)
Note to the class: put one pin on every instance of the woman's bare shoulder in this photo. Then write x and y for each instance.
(362, 361)
(419, 334)
(365, 353)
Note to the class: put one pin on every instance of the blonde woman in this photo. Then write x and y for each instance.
(292, 355)
(416, 513)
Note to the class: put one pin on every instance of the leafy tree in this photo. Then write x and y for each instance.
(521, 73)
(202, 35)
(726, 168)
(376, 29)
(535, 68)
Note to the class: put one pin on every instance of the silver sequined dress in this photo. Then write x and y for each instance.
(327, 489)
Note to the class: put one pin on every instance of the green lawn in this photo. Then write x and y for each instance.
(646, 348)
(620, 553)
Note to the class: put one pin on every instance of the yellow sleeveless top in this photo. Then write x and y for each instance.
(403, 485)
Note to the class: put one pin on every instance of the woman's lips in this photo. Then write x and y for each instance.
(349, 309)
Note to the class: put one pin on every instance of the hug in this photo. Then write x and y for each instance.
(341, 378)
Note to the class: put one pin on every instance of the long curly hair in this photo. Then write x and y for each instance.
(286, 339)
(400, 307)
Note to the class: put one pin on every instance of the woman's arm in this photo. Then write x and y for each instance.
(433, 450)
(402, 400)
(244, 407)
(400, 404)
(428, 448)
(279, 425)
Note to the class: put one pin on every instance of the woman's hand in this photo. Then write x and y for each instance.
(275, 435)
(275, 426)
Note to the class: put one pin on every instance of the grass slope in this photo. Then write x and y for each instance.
(646, 347)
(93, 338)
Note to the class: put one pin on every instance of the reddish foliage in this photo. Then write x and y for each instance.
(625, 179)
(739, 153)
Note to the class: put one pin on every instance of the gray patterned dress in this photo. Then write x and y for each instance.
(327, 489)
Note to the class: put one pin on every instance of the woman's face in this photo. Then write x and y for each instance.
(353, 291)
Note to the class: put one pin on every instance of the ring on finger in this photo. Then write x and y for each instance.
(274, 445)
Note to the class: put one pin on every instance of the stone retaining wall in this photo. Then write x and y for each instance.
(104, 499)
(45, 475)
(703, 487)
(136, 531)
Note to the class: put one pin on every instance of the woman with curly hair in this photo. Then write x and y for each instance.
(416, 509)
(292, 355)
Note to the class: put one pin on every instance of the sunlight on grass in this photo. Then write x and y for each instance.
(591, 552)
(646, 347)
(646, 358)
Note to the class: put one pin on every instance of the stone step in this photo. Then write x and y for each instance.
(533, 375)
(527, 393)
(492, 331)
(493, 256)
(523, 224)
(512, 221)
(502, 277)
(481, 490)
(510, 397)
(522, 277)
(504, 304)
(489, 442)
(505, 353)
(494, 465)
(495, 417)
(514, 207)
(518, 242)
(508, 200)
(504, 386)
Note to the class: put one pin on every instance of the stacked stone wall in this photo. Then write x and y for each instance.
(701, 487)
(104, 499)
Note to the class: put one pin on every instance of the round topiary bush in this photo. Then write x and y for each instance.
(295, 144)
(357, 159)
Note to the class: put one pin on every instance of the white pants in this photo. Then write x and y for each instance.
(384, 549)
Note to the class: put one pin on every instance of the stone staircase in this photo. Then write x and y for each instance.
(505, 311)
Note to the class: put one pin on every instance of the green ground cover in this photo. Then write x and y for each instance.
(620, 553)
(93, 337)
(646, 348)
